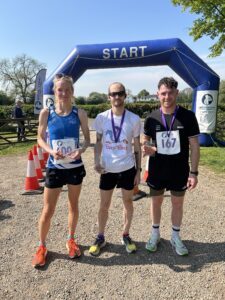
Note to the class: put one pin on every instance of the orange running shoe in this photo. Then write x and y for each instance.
(73, 249)
(39, 258)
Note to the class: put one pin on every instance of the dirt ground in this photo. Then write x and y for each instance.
(114, 274)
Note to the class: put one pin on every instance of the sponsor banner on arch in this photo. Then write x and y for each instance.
(206, 107)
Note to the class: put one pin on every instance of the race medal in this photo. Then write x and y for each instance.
(168, 145)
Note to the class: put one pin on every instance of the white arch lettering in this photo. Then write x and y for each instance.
(133, 50)
(124, 52)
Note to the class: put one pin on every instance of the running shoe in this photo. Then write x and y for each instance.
(152, 243)
(130, 246)
(179, 246)
(39, 258)
(73, 249)
(97, 246)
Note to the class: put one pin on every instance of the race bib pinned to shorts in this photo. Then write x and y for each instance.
(168, 144)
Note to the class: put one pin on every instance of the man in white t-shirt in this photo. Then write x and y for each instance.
(116, 130)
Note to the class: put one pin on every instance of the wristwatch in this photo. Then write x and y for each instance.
(194, 173)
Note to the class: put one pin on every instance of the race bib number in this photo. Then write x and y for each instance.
(168, 145)
(65, 146)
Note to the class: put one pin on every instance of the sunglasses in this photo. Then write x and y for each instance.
(120, 94)
(61, 75)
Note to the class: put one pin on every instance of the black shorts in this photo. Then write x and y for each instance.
(169, 184)
(124, 180)
(56, 178)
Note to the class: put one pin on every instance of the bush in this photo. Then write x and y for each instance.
(141, 109)
(6, 111)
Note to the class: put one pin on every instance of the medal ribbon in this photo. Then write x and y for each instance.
(117, 134)
(164, 120)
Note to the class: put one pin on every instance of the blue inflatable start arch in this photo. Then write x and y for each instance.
(171, 52)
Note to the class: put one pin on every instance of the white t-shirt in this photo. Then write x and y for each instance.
(117, 157)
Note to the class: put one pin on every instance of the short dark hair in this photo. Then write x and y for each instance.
(168, 82)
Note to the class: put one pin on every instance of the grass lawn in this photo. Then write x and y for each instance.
(214, 158)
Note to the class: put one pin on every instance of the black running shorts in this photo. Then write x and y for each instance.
(124, 180)
(56, 178)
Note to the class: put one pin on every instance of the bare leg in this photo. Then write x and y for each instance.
(73, 201)
(50, 200)
(128, 209)
(106, 197)
(177, 210)
(156, 204)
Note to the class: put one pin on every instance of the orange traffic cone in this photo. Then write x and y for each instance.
(138, 194)
(37, 164)
(41, 157)
(145, 176)
(31, 182)
(45, 155)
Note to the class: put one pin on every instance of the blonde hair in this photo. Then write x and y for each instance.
(66, 78)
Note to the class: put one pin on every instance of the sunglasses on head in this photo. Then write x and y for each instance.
(61, 75)
(120, 94)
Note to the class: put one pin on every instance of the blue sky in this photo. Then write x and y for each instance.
(49, 30)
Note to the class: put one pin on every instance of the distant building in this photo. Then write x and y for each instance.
(130, 99)
(148, 98)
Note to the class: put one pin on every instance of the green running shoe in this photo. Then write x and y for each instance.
(152, 243)
(179, 246)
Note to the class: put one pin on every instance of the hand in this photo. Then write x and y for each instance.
(76, 154)
(99, 168)
(192, 182)
(148, 150)
(57, 155)
(137, 178)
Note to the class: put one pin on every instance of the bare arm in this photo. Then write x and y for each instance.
(43, 122)
(97, 152)
(194, 157)
(137, 153)
(86, 133)
(85, 129)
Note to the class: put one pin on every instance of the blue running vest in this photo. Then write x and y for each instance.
(64, 135)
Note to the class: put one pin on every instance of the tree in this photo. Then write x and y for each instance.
(80, 100)
(222, 92)
(5, 99)
(211, 21)
(97, 98)
(18, 75)
(185, 96)
(143, 93)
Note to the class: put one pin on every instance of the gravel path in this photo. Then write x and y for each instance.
(114, 274)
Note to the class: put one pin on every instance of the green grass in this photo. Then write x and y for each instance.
(16, 149)
(214, 158)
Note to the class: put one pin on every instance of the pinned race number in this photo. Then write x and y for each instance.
(65, 146)
(168, 145)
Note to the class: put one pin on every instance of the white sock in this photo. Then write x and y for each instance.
(175, 231)
(155, 229)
